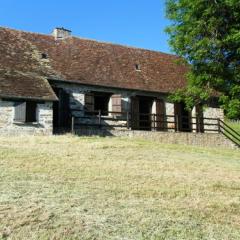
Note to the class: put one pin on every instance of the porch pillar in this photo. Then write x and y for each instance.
(170, 116)
(153, 117)
(194, 120)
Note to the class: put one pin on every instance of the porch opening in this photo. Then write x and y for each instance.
(101, 102)
(183, 118)
(145, 111)
(141, 113)
(61, 111)
(96, 102)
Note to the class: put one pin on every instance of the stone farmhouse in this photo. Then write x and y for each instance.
(58, 82)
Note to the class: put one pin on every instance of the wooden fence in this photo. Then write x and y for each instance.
(153, 122)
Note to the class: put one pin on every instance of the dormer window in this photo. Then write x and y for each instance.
(44, 56)
(137, 67)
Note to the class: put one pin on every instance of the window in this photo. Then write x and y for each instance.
(31, 112)
(137, 67)
(97, 101)
(44, 56)
(101, 103)
(25, 112)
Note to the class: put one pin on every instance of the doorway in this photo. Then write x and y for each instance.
(183, 118)
(160, 115)
(61, 111)
(141, 113)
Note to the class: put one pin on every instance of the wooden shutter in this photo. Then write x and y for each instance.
(116, 103)
(89, 102)
(183, 117)
(135, 113)
(65, 113)
(20, 112)
(160, 111)
(199, 118)
(178, 116)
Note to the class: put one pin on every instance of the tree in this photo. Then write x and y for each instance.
(206, 34)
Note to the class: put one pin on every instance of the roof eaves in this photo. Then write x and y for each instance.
(106, 86)
(13, 97)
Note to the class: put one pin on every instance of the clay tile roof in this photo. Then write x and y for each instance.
(15, 84)
(23, 74)
(86, 62)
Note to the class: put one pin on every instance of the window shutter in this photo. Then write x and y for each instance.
(135, 113)
(160, 111)
(116, 103)
(89, 102)
(199, 118)
(20, 112)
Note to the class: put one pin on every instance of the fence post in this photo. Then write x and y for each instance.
(219, 126)
(197, 124)
(72, 125)
(127, 120)
(176, 123)
(99, 118)
(154, 122)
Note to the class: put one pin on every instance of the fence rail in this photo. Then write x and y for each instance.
(153, 122)
(143, 121)
(229, 132)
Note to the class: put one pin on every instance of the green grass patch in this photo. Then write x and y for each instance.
(234, 125)
(65, 187)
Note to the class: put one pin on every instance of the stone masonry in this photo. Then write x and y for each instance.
(43, 126)
(196, 139)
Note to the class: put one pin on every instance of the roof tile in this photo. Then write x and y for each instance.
(83, 61)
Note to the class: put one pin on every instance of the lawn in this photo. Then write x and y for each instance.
(65, 187)
(234, 125)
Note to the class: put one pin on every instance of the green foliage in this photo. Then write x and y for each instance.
(206, 34)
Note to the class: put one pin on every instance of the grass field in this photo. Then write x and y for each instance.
(65, 187)
(234, 125)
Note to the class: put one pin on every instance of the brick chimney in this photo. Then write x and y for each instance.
(61, 33)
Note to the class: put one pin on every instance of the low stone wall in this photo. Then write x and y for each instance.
(196, 139)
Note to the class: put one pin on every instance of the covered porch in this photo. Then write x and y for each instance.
(112, 109)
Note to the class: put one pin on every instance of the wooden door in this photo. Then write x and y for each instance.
(116, 104)
(61, 110)
(199, 118)
(160, 115)
(65, 120)
(89, 103)
(177, 114)
(135, 113)
(183, 118)
(145, 113)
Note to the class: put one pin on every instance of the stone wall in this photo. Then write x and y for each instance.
(45, 118)
(208, 112)
(212, 112)
(43, 126)
(196, 139)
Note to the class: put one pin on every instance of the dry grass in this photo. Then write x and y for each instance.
(234, 125)
(109, 188)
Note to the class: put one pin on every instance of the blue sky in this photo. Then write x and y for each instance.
(139, 23)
